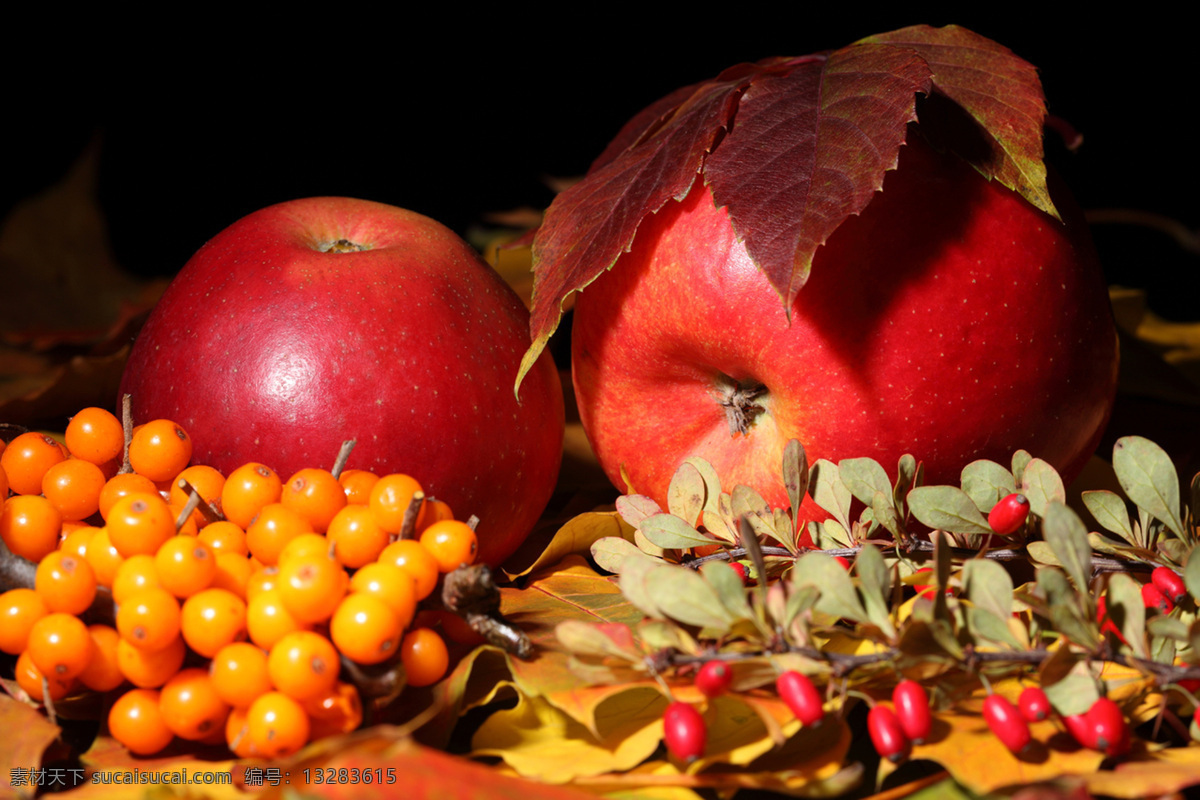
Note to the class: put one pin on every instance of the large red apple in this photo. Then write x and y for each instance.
(951, 320)
(319, 320)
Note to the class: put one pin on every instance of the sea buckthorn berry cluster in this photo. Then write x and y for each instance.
(236, 598)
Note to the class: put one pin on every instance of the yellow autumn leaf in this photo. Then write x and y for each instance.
(540, 741)
(1152, 774)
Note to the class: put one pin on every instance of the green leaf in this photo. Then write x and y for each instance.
(1041, 553)
(1067, 536)
(686, 495)
(829, 534)
(886, 514)
(611, 552)
(989, 586)
(682, 594)
(1123, 600)
(947, 508)
(1042, 485)
(1191, 576)
(634, 508)
(633, 584)
(875, 588)
(712, 482)
(838, 596)
(672, 533)
(906, 479)
(1149, 479)
(987, 625)
(1020, 460)
(986, 483)
(1110, 513)
(729, 588)
(1068, 614)
(795, 474)
(1074, 694)
(864, 477)
(827, 490)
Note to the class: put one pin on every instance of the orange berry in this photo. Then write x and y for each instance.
(140, 523)
(66, 582)
(26, 460)
(237, 733)
(103, 673)
(334, 712)
(212, 619)
(30, 526)
(136, 721)
(365, 629)
(73, 487)
(191, 706)
(311, 587)
(75, 538)
(150, 668)
(261, 580)
(306, 544)
(160, 450)
(390, 584)
(119, 486)
(432, 510)
(248, 489)
(3, 479)
(19, 609)
(149, 618)
(103, 557)
(272, 529)
(185, 565)
(268, 620)
(316, 494)
(134, 574)
(224, 536)
(357, 485)
(30, 678)
(95, 435)
(390, 498)
(303, 664)
(451, 543)
(233, 573)
(424, 656)
(60, 645)
(207, 482)
(239, 673)
(356, 538)
(277, 725)
(410, 556)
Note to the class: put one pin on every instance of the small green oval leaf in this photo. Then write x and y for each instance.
(1148, 477)
(986, 483)
(672, 533)
(864, 477)
(947, 508)
(683, 595)
(1042, 485)
(1110, 513)
(1067, 536)
(686, 494)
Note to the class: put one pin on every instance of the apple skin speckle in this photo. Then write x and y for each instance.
(410, 346)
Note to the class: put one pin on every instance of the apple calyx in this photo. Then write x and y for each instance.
(739, 401)
(342, 246)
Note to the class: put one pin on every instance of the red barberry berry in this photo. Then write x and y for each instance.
(1169, 583)
(1154, 598)
(1034, 704)
(1107, 626)
(740, 569)
(886, 734)
(714, 678)
(912, 709)
(1007, 516)
(684, 731)
(1079, 727)
(1006, 722)
(1108, 726)
(798, 692)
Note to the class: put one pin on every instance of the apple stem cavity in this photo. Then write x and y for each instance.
(342, 246)
(737, 398)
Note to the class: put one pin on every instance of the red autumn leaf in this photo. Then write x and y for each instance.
(793, 147)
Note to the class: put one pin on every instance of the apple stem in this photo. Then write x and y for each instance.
(737, 398)
(343, 456)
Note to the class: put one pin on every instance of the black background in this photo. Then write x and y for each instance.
(456, 113)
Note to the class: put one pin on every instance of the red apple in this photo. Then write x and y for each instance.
(319, 320)
(951, 320)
